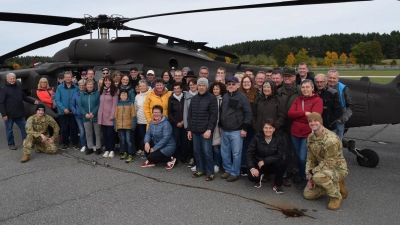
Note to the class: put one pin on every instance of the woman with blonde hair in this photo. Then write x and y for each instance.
(44, 92)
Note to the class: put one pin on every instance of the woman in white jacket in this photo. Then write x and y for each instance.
(139, 107)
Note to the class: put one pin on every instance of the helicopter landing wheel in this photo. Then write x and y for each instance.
(371, 158)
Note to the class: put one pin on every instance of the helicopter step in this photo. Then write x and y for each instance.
(365, 157)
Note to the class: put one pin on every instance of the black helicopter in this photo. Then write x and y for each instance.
(375, 103)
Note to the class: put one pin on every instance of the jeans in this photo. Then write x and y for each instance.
(246, 143)
(300, 148)
(82, 135)
(126, 141)
(109, 137)
(140, 133)
(180, 137)
(203, 153)
(339, 130)
(20, 121)
(231, 151)
(217, 155)
(68, 129)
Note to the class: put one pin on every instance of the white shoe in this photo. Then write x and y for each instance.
(83, 149)
(106, 154)
(112, 154)
(216, 169)
(193, 169)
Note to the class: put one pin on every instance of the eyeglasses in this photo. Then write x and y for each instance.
(231, 84)
(105, 73)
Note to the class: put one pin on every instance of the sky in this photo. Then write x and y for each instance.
(216, 28)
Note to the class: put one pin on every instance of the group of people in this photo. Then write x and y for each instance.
(254, 125)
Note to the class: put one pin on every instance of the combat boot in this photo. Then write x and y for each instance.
(343, 189)
(25, 158)
(334, 203)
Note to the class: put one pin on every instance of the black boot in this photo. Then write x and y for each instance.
(98, 151)
(89, 151)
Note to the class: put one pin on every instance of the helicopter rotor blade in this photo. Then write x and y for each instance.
(189, 43)
(262, 5)
(41, 19)
(45, 42)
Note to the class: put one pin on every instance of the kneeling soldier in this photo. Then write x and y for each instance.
(326, 167)
(37, 134)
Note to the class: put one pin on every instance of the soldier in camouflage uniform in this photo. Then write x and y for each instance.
(37, 134)
(326, 167)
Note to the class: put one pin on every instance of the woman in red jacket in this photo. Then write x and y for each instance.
(302, 106)
(44, 92)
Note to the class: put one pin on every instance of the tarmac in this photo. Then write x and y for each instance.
(72, 188)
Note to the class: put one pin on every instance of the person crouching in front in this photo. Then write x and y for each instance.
(266, 155)
(158, 141)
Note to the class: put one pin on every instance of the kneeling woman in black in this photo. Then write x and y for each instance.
(266, 155)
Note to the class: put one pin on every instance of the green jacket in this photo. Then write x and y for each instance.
(287, 100)
(36, 126)
(89, 103)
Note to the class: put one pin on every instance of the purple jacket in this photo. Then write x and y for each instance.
(108, 103)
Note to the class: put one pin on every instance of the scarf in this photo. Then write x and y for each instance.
(159, 93)
(156, 121)
(289, 88)
(192, 93)
(178, 97)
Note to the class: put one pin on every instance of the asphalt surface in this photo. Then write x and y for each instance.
(61, 189)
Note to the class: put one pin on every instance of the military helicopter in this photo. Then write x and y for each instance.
(375, 103)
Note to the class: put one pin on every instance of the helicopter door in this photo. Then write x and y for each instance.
(173, 63)
(361, 109)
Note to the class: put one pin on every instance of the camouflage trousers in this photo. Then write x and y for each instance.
(40, 146)
(327, 182)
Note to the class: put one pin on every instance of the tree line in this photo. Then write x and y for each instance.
(22, 62)
(318, 46)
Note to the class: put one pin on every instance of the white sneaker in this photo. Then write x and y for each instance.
(83, 149)
(106, 154)
(216, 169)
(112, 154)
(193, 169)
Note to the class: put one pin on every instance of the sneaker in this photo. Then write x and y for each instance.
(129, 159)
(98, 151)
(76, 147)
(278, 190)
(112, 154)
(193, 169)
(243, 172)
(147, 164)
(65, 147)
(225, 175)
(171, 163)
(216, 169)
(139, 152)
(123, 156)
(191, 163)
(105, 154)
(83, 149)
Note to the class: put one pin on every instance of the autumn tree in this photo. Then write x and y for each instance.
(302, 56)
(16, 66)
(227, 59)
(367, 53)
(313, 62)
(353, 59)
(330, 58)
(280, 54)
(343, 58)
(290, 60)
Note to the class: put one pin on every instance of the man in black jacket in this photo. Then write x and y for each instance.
(235, 119)
(303, 73)
(12, 108)
(202, 118)
(330, 97)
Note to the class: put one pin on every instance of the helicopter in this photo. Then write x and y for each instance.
(374, 103)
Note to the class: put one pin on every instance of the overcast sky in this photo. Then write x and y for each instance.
(216, 28)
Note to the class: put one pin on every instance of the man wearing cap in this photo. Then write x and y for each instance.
(289, 92)
(150, 77)
(38, 134)
(84, 75)
(234, 120)
(202, 118)
(185, 70)
(326, 167)
(134, 72)
(303, 73)
(332, 108)
(172, 71)
(190, 75)
(12, 108)
(105, 72)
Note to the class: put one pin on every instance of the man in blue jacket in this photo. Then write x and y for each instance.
(64, 94)
(12, 108)
(235, 119)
